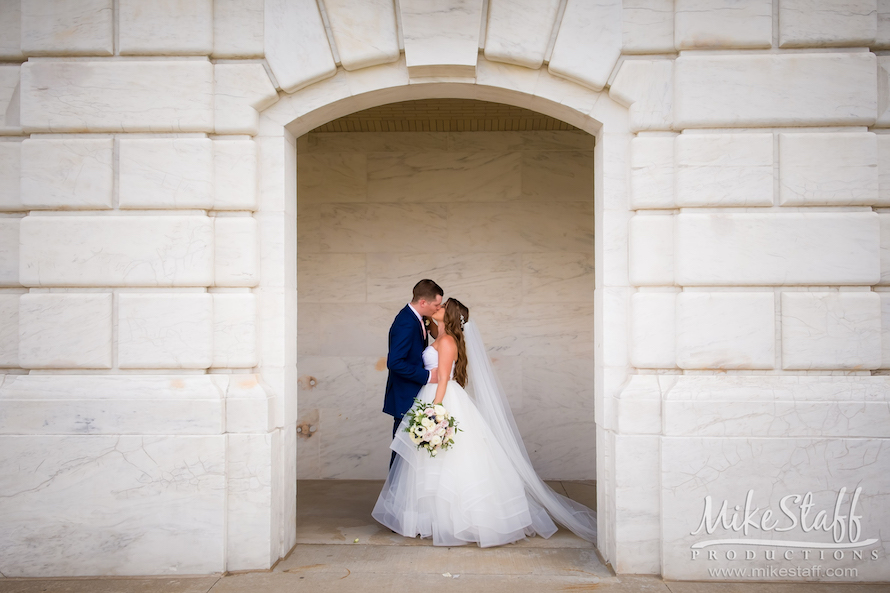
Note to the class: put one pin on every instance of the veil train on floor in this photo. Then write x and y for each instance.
(492, 403)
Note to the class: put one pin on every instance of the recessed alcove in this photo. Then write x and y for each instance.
(494, 202)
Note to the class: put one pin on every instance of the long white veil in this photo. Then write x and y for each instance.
(492, 403)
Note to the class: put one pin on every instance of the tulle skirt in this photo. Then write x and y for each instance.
(468, 493)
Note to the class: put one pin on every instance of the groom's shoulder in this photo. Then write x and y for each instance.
(403, 316)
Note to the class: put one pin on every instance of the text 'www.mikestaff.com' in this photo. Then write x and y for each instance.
(766, 572)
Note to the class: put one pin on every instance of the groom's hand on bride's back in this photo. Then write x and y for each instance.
(434, 375)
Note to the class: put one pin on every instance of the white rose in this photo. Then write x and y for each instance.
(436, 440)
(427, 423)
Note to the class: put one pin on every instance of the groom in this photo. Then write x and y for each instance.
(407, 340)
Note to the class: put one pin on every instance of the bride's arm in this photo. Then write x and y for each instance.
(447, 354)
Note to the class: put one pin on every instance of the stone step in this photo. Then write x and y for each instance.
(468, 583)
(428, 560)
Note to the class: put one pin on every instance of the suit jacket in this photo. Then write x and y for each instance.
(405, 364)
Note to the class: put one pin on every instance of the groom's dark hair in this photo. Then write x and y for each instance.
(426, 290)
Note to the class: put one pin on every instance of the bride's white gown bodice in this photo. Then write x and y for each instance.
(431, 360)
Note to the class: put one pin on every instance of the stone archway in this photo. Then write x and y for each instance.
(596, 113)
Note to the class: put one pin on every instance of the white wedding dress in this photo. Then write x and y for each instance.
(482, 489)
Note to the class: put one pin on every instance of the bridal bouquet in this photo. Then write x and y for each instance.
(431, 427)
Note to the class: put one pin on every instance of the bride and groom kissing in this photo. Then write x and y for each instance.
(483, 489)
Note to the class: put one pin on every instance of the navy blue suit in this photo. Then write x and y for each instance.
(405, 364)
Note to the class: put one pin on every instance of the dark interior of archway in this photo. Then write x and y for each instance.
(445, 115)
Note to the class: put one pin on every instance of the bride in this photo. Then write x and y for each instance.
(483, 489)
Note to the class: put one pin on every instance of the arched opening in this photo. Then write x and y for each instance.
(349, 92)
(496, 203)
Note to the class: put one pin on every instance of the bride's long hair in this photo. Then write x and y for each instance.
(456, 315)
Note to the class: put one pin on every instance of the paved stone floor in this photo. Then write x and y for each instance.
(331, 515)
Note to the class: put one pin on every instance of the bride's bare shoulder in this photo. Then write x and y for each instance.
(446, 343)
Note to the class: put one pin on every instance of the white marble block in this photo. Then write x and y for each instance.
(646, 87)
(718, 170)
(652, 172)
(827, 23)
(165, 27)
(831, 330)
(296, 44)
(519, 32)
(647, 26)
(588, 43)
(723, 24)
(832, 169)
(653, 330)
(166, 173)
(326, 275)
(286, 489)
(241, 89)
(236, 262)
(441, 37)
(365, 32)
(785, 406)
(134, 505)
(249, 406)
(885, 329)
(234, 330)
(883, 142)
(343, 176)
(116, 251)
(90, 404)
(238, 28)
(883, 107)
(10, 99)
(65, 331)
(882, 39)
(650, 253)
(885, 247)
(10, 176)
(165, 331)
(10, 30)
(234, 175)
(638, 404)
(67, 174)
(9, 251)
(67, 27)
(772, 474)
(117, 96)
(761, 90)
(9, 330)
(777, 249)
(251, 465)
(726, 330)
(637, 458)
(440, 178)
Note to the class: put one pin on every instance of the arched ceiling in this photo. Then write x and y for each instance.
(444, 115)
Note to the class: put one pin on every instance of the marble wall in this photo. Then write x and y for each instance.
(504, 222)
(147, 185)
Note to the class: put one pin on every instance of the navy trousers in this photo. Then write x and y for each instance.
(395, 427)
